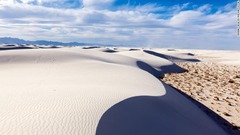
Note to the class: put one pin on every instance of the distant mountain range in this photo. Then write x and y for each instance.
(9, 40)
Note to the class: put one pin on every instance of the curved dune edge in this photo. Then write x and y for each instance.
(68, 90)
(169, 114)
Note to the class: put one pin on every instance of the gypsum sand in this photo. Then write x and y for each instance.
(217, 86)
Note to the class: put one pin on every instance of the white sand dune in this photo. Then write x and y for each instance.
(220, 56)
(89, 91)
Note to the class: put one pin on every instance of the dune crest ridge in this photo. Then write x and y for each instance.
(74, 90)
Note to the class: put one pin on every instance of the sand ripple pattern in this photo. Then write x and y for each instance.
(63, 92)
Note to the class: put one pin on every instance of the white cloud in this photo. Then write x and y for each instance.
(99, 4)
(6, 2)
(186, 18)
(46, 3)
(141, 25)
(205, 8)
(178, 8)
(228, 7)
(222, 20)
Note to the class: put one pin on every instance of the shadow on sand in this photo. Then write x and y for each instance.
(228, 127)
(109, 51)
(174, 68)
(170, 114)
(171, 58)
(91, 47)
(15, 48)
(144, 66)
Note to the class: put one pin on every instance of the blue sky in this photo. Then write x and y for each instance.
(173, 2)
(145, 23)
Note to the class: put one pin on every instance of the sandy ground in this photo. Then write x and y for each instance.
(92, 90)
(214, 84)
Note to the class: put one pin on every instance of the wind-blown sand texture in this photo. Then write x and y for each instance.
(87, 91)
